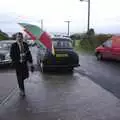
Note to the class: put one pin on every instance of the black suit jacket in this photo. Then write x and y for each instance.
(21, 68)
(15, 53)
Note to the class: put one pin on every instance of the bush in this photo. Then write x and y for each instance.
(75, 36)
(101, 38)
(89, 41)
(93, 41)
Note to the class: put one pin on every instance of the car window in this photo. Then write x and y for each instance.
(62, 44)
(5, 45)
(108, 43)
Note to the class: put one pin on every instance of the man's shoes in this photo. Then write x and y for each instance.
(22, 93)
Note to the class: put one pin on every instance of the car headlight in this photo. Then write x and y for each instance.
(7, 56)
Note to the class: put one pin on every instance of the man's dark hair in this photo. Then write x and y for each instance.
(19, 33)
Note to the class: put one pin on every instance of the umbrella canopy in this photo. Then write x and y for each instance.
(37, 34)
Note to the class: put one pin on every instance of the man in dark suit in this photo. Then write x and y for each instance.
(21, 55)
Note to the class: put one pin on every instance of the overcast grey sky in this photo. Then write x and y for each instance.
(105, 16)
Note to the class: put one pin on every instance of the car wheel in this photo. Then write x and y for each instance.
(99, 56)
(70, 69)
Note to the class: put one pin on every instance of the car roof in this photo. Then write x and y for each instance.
(61, 38)
(7, 41)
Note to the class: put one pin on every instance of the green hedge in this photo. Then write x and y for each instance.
(90, 43)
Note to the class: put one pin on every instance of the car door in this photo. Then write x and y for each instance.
(116, 49)
(116, 53)
(107, 53)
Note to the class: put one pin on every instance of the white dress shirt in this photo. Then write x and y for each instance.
(21, 54)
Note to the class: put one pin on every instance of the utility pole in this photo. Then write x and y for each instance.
(88, 24)
(88, 15)
(68, 27)
(41, 22)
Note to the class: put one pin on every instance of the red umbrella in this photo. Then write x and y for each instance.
(37, 33)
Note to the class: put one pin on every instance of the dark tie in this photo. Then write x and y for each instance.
(22, 52)
(22, 47)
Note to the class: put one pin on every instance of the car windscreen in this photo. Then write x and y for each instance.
(62, 43)
(108, 43)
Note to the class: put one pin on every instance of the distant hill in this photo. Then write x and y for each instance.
(3, 35)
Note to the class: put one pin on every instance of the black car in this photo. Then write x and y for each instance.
(5, 51)
(65, 56)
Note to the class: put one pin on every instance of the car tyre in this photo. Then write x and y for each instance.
(99, 56)
(70, 69)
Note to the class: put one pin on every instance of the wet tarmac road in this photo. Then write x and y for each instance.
(80, 95)
(8, 82)
(61, 97)
(104, 73)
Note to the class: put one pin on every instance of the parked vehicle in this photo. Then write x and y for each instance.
(5, 52)
(65, 56)
(109, 49)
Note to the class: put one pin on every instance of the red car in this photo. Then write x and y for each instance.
(109, 49)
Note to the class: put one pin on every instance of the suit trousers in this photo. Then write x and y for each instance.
(22, 73)
(21, 84)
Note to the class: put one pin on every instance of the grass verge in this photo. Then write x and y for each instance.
(86, 48)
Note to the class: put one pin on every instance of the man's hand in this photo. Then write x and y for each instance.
(32, 68)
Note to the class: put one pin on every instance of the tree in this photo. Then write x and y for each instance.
(91, 32)
(75, 36)
(88, 39)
